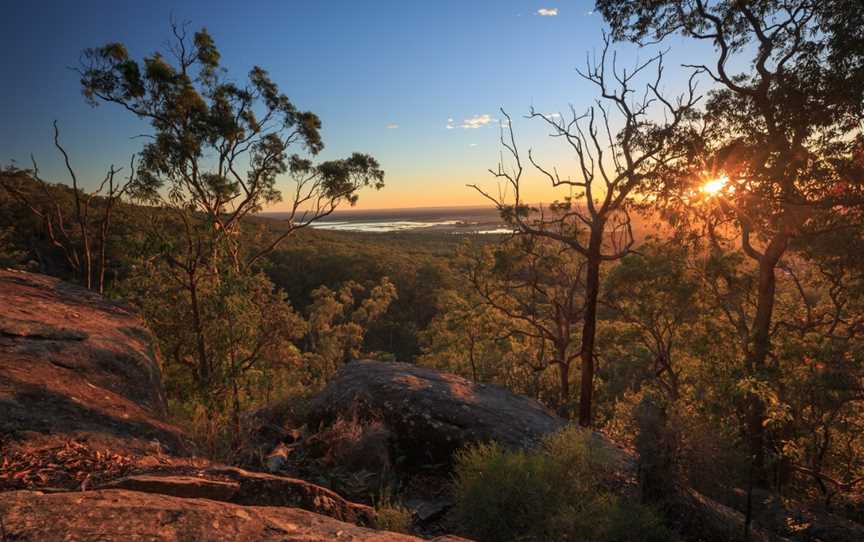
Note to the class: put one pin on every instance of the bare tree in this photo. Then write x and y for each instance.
(90, 219)
(614, 164)
(538, 284)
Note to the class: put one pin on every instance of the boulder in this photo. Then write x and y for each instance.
(121, 515)
(238, 486)
(429, 413)
(77, 366)
(270, 490)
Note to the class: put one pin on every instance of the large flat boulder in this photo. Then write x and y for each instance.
(74, 365)
(81, 396)
(121, 515)
(431, 414)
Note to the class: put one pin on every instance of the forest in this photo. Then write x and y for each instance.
(696, 295)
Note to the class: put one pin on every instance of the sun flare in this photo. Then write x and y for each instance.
(714, 186)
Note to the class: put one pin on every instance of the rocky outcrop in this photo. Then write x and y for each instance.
(82, 408)
(74, 365)
(120, 515)
(431, 414)
(186, 487)
(238, 486)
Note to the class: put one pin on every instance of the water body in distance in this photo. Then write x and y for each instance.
(456, 220)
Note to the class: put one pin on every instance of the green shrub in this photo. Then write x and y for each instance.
(392, 516)
(558, 492)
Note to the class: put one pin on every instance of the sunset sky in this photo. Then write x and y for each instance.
(416, 84)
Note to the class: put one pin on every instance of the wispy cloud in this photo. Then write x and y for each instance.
(392, 126)
(450, 123)
(547, 12)
(477, 121)
(472, 144)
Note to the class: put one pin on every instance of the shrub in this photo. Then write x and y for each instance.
(561, 491)
(390, 516)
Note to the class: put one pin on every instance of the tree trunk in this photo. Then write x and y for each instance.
(203, 363)
(103, 239)
(564, 375)
(760, 346)
(471, 357)
(589, 325)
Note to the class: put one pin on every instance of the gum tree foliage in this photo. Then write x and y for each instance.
(215, 154)
(468, 337)
(338, 322)
(653, 293)
(783, 124)
(539, 285)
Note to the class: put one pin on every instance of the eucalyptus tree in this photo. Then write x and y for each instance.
(613, 166)
(653, 292)
(338, 322)
(216, 153)
(536, 285)
(783, 135)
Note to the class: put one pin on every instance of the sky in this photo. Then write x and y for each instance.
(416, 84)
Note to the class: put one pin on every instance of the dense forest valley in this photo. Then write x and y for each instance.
(674, 350)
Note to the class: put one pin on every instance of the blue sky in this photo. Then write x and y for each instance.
(363, 66)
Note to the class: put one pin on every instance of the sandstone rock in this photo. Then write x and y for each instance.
(120, 515)
(238, 486)
(82, 407)
(187, 487)
(262, 489)
(74, 364)
(431, 414)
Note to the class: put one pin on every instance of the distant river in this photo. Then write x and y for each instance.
(455, 220)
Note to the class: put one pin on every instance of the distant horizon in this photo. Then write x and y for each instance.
(349, 209)
(427, 110)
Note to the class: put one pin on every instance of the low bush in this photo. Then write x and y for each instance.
(564, 490)
(392, 516)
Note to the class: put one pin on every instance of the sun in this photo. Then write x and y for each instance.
(714, 186)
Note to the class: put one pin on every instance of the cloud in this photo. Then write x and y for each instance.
(450, 123)
(472, 144)
(477, 121)
(547, 12)
(392, 126)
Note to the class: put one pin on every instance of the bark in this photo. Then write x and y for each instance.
(203, 362)
(564, 375)
(760, 346)
(589, 325)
